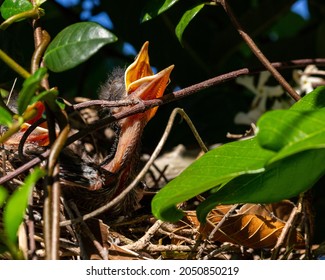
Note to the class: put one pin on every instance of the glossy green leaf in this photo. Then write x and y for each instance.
(10, 8)
(295, 131)
(312, 101)
(14, 210)
(5, 117)
(3, 195)
(75, 44)
(282, 180)
(186, 19)
(154, 8)
(30, 86)
(244, 171)
(213, 169)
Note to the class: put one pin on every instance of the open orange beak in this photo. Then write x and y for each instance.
(140, 82)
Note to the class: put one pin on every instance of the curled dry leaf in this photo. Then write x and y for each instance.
(252, 225)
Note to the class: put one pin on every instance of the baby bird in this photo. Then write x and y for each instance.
(94, 185)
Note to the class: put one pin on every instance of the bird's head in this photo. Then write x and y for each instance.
(141, 83)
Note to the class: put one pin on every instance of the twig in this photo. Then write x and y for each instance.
(29, 130)
(308, 217)
(215, 229)
(144, 241)
(31, 230)
(285, 230)
(224, 218)
(87, 232)
(39, 51)
(174, 236)
(52, 201)
(258, 53)
(104, 103)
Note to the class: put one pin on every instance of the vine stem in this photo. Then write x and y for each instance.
(258, 53)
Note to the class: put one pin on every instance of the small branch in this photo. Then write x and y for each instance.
(258, 53)
(224, 218)
(52, 201)
(144, 241)
(174, 236)
(104, 103)
(39, 51)
(84, 231)
(285, 230)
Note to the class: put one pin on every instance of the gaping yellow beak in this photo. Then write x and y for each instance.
(140, 82)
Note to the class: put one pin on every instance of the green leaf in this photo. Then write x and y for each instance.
(47, 95)
(10, 8)
(186, 19)
(3, 195)
(154, 8)
(14, 210)
(282, 180)
(312, 101)
(30, 86)
(244, 171)
(75, 44)
(294, 132)
(5, 117)
(213, 169)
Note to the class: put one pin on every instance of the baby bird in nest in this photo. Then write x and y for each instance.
(92, 185)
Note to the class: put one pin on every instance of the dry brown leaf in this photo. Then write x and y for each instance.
(253, 225)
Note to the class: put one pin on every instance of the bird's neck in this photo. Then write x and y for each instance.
(128, 144)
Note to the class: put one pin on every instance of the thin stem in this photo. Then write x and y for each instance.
(39, 51)
(14, 65)
(259, 54)
(52, 202)
(33, 13)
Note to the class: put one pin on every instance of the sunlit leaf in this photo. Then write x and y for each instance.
(30, 86)
(75, 44)
(284, 179)
(154, 8)
(10, 8)
(186, 19)
(295, 131)
(14, 210)
(246, 172)
(5, 117)
(312, 101)
(215, 168)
